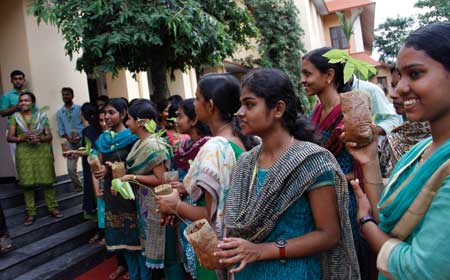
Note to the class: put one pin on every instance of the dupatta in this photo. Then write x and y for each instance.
(400, 194)
(110, 141)
(37, 124)
(211, 171)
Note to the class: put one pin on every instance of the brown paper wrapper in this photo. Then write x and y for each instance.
(118, 169)
(94, 162)
(357, 117)
(204, 241)
(163, 189)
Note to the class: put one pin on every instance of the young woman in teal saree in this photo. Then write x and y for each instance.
(412, 237)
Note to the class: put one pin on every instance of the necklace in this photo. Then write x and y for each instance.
(222, 127)
(425, 155)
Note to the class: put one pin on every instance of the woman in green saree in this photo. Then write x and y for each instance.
(412, 237)
(146, 163)
(29, 128)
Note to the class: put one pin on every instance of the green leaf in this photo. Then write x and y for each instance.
(349, 70)
(123, 188)
(336, 54)
(45, 108)
(160, 133)
(112, 133)
(88, 146)
(150, 126)
(336, 60)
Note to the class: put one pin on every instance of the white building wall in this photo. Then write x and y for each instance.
(357, 35)
(311, 23)
(50, 70)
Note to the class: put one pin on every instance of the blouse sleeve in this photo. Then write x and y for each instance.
(12, 120)
(428, 256)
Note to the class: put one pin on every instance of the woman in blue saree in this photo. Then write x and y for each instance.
(412, 237)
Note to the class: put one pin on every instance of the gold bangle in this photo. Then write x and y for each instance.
(178, 205)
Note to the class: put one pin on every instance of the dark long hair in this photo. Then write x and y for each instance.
(30, 94)
(274, 85)
(321, 63)
(143, 109)
(188, 108)
(224, 90)
(90, 114)
(121, 105)
(434, 40)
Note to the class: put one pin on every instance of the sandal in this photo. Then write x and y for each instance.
(117, 273)
(29, 221)
(95, 238)
(5, 244)
(56, 214)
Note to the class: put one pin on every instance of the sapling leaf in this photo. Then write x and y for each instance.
(150, 125)
(336, 54)
(45, 108)
(336, 60)
(349, 70)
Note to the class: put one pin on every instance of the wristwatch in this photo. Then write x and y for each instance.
(281, 245)
(366, 219)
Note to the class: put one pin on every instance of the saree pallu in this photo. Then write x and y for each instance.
(211, 171)
(424, 254)
(142, 159)
(186, 153)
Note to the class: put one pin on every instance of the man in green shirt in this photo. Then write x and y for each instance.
(9, 102)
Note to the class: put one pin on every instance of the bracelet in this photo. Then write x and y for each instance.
(373, 183)
(178, 205)
(134, 177)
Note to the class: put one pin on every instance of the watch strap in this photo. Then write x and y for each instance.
(366, 219)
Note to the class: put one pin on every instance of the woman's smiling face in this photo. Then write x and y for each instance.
(424, 86)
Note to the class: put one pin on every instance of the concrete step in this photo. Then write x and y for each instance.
(25, 259)
(12, 197)
(24, 235)
(7, 187)
(16, 216)
(69, 265)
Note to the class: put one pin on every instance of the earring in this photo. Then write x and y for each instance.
(329, 81)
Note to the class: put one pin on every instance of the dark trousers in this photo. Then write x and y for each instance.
(3, 229)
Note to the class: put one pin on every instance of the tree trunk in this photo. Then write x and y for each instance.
(158, 70)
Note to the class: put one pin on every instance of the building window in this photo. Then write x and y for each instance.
(338, 40)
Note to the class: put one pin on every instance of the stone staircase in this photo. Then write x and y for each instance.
(50, 248)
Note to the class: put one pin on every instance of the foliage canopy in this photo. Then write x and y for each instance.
(142, 35)
(390, 36)
(279, 41)
(436, 10)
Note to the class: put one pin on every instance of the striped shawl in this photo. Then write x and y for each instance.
(253, 217)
